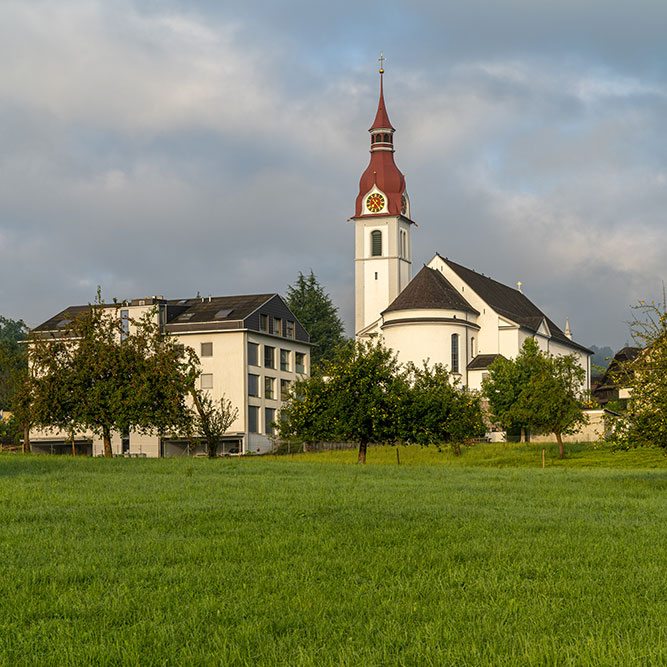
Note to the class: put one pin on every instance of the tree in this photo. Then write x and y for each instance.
(503, 386)
(436, 410)
(645, 420)
(101, 377)
(211, 419)
(313, 307)
(13, 358)
(354, 397)
(538, 390)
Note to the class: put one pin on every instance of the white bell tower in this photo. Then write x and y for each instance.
(383, 253)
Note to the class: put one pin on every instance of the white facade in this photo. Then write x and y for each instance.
(381, 273)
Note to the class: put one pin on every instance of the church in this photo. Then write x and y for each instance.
(447, 313)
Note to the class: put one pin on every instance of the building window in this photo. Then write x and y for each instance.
(269, 418)
(376, 243)
(264, 323)
(284, 360)
(277, 326)
(206, 380)
(253, 419)
(206, 349)
(269, 356)
(269, 387)
(472, 348)
(253, 354)
(253, 384)
(284, 390)
(289, 329)
(300, 362)
(455, 353)
(124, 324)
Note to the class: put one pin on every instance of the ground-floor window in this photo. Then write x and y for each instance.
(253, 419)
(269, 418)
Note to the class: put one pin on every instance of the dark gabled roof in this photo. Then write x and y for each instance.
(510, 303)
(205, 309)
(430, 289)
(482, 361)
(60, 321)
(200, 314)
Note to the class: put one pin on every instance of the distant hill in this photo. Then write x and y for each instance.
(601, 357)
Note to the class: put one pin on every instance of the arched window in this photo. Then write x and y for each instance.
(455, 353)
(386, 138)
(472, 348)
(376, 243)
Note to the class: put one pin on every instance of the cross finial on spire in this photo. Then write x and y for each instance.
(381, 60)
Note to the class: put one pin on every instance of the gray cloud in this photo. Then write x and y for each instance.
(166, 148)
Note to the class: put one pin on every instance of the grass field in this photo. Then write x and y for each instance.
(306, 561)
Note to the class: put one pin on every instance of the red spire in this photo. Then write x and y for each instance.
(382, 171)
(381, 118)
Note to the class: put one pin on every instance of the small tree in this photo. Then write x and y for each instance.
(313, 307)
(436, 410)
(100, 377)
(504, 384)
(211, 419)
(355, 397)
(538, 391)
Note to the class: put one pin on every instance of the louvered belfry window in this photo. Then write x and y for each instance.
(376, 243)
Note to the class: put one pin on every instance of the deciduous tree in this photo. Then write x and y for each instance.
(99, 377)
(538, 391)
(435, 410)
(211, 418)
(645, 420)
(355, 397)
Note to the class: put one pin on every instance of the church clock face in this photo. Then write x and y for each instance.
(404, 204)
(375, 202)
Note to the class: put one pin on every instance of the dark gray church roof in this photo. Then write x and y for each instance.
(510, 303)
(430, 289)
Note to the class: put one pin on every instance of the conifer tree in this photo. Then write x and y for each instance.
(313, 307)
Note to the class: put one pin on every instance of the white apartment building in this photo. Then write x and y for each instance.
(251, 349)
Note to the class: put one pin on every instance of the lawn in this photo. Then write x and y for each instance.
(306, 561)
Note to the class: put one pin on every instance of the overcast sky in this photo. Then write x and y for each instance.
(164, 147)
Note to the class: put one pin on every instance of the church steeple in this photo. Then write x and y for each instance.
(382, 176)
(382, 247)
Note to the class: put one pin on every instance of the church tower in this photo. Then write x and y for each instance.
(383, 261)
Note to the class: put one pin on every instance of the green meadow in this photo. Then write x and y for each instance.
(486, 559)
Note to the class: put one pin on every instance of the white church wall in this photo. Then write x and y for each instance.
(425, 341)
(508, 342)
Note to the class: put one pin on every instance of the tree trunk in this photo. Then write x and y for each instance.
(212, 448)
(26, 440)
(457, 449)
(106, 437)
(73, 448)
(561, 449)
(362, 452)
